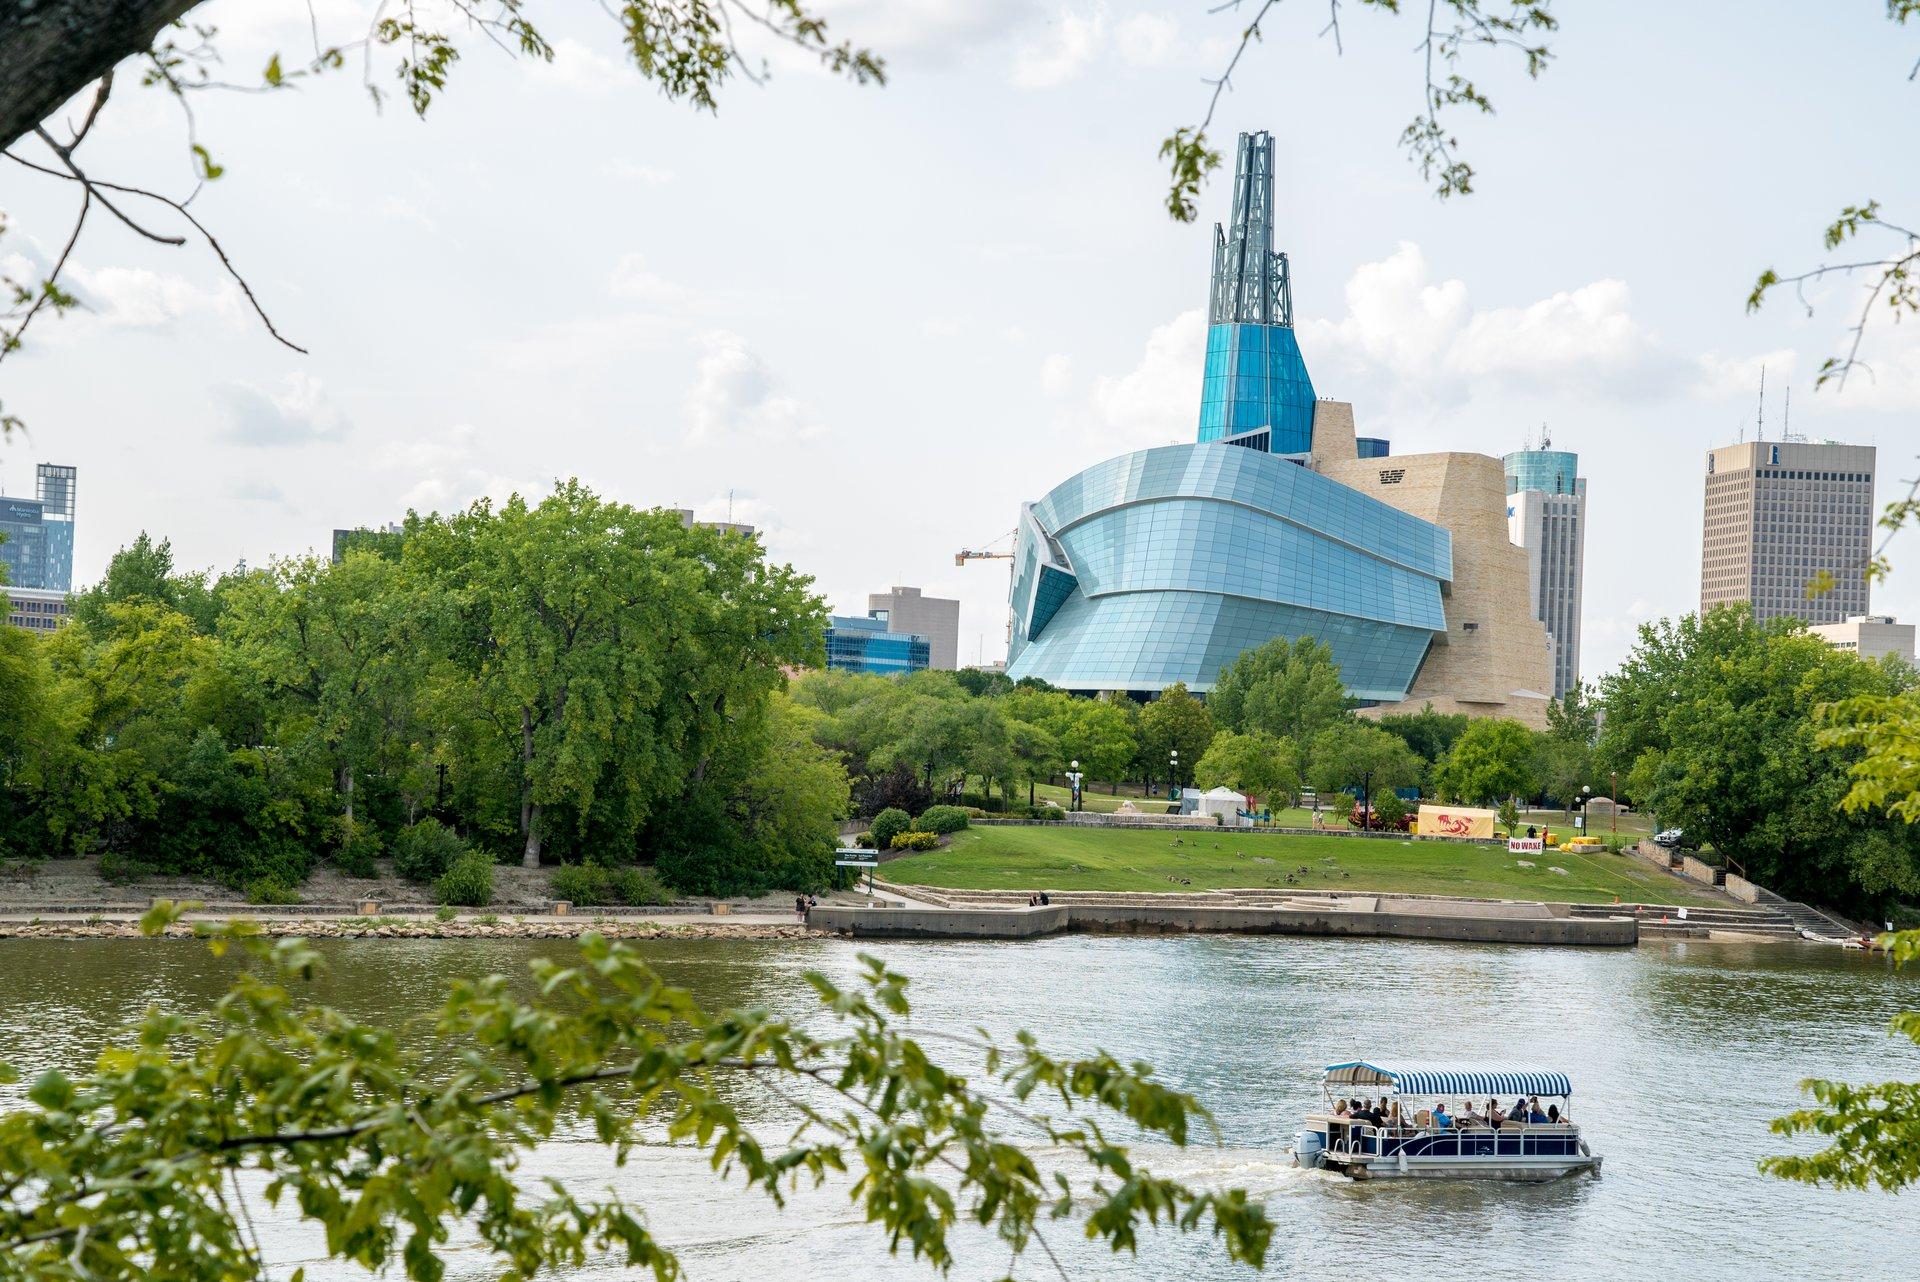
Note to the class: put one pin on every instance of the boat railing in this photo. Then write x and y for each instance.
(1463, 1139)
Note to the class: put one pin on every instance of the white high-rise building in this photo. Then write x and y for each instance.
(1547, 515)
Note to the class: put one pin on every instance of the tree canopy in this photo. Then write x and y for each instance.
(1287, 688)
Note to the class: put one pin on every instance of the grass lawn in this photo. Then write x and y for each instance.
(1061, 858)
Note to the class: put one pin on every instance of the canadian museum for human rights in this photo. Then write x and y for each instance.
(1165, 564)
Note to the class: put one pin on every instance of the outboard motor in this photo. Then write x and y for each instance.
(1307, 1148)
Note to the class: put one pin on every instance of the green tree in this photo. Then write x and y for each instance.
(1430, 734)
(345, 645)
(1036, 753)
(1176, 721)
(615, 649)
(1574, 716)
(1290, 689)
(1723, 720)
(1493, 759)
(1563, 767)
(1099, 735)
(1356, 754)
(1259, 764)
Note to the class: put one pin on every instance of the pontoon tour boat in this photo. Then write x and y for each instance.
(1443, 1121)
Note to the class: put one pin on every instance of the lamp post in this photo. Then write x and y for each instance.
(1073, 777)
(1613, 798)
(1173, 773)
(1586, 796)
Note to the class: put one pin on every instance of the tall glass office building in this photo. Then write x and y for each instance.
(1165, 564)
(1255, 390)
(38, 546)
(857, 644)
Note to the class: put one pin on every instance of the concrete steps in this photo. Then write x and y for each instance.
(1665, 920)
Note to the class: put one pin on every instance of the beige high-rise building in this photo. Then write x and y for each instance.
(1777, 514)
(1871, 636)
(935, 618)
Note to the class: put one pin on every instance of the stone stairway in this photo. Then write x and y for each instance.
(1814, 921)
(1663, 921)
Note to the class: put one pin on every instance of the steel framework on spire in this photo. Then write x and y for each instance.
(1251, 283)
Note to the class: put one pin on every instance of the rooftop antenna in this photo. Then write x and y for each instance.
(1546, 437)
(729, 506)
(1760, 431)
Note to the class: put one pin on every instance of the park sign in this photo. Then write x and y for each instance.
(1464, 822)
(1526, 846)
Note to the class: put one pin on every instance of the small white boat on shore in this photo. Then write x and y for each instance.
(1434, 1121)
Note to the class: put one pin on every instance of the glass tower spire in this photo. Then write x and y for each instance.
(1255, 391)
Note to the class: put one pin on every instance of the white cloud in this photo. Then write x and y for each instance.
(632, 281)
(257, 492)
(1147, 39)
(933, 32)
(735, 393)
(1056, 374)
(303, 414)
(651, 175)
(441, 473)
(1068, 47)
(1158, 401)
(1430, 348)
(581, 69)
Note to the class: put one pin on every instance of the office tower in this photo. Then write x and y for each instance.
(362, 538)
(1254, 390)
(1547, 515)
(935, 618)
(38, 551)
(856, 644)
(1778, 514)
(54, 485)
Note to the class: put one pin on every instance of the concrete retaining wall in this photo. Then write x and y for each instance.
(1029, 923)
(1697, 870)
(1742, 889)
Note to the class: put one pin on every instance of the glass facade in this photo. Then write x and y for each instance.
(856, 644)
(1372, 446)
(1256, 377)
(1549, 471)
(24, 551)
(1181, 557)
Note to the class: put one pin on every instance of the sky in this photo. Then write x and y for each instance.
(873, 321)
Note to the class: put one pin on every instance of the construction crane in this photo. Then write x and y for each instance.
(965, 555)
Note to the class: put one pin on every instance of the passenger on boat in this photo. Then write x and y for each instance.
(1468, 1117)
(1339, 1108)
(1553, 1113)
(1518, 1113)
(1394, 1119)
(1441, 1119)
(1533, 1111)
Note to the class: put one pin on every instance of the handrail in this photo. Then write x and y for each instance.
(1359, 1133)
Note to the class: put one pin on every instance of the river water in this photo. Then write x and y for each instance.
(1680, 1053)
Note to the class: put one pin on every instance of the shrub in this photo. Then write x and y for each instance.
(941, 819)
(120, 868)
(864, 841)
(583, 884)
(888, 824)
(271, 890)
(444, 912)
(915, 841)
(356, 853)
(426, 849)
(468, 881)
(592, 885)
(641, 888)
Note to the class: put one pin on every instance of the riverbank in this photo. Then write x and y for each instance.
(486, 926)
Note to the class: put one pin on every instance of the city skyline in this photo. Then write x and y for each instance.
(672, 348)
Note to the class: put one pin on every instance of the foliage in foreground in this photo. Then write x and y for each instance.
(1872, 1132)
(133, 1171)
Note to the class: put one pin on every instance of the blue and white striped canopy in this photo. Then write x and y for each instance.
(1410, 1078)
